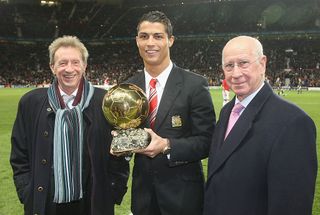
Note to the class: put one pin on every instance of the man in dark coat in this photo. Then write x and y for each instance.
(266, 163)
(61, 141)
(167, 175)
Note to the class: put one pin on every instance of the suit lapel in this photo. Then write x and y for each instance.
(223, 122)
(239, 131)
(218, 137)
(171, 91)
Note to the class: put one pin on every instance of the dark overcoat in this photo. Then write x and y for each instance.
(267, 165)
(32, 152)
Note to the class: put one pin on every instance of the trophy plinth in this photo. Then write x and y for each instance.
(125, 106)
(130, 139)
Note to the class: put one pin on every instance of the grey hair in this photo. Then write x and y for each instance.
(67, 41)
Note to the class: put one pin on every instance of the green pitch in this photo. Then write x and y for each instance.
(9, 203)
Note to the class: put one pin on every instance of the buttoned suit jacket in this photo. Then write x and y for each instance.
(178, 182)
(267, 165)
(32, 152)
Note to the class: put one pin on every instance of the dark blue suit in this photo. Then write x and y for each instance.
(267, 165)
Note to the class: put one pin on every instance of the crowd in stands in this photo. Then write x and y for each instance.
(94, 20)
(28, 64)
(201, 31)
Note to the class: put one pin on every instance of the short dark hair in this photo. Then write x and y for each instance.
(157, 16)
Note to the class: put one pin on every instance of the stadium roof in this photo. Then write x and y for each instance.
(118, 1)
(39, 1)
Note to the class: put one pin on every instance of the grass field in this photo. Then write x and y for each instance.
(9, 204)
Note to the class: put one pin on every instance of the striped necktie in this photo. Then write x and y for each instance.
(153, 102)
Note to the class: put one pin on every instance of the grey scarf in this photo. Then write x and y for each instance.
(68, 143)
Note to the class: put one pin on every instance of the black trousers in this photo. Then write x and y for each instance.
(70, 208)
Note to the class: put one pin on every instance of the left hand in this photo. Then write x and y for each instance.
(156, 145)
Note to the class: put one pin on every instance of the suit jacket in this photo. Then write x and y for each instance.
(178, 182)
(267, 165)
(32, 152)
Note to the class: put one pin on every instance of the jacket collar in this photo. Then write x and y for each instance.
(223, 149)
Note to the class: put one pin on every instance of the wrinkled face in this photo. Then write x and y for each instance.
(243, 68)
(153, 44)
(68, 67)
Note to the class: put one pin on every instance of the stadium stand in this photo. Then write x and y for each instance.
(289, 30)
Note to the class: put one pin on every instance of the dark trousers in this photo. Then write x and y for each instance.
(76, 207)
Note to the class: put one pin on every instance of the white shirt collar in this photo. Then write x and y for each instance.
(62, 93)
(68, 99)
(245, 102)
(161, 78)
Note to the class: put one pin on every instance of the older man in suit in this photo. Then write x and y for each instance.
(266, 163)
(167, 175)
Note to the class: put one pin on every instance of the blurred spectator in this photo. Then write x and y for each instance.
(110, 29)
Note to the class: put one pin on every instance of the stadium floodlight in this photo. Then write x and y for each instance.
(45, 2)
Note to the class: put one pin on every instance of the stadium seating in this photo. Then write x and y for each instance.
(289, 31)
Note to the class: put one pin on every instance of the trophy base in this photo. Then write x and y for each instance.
(130, 139)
